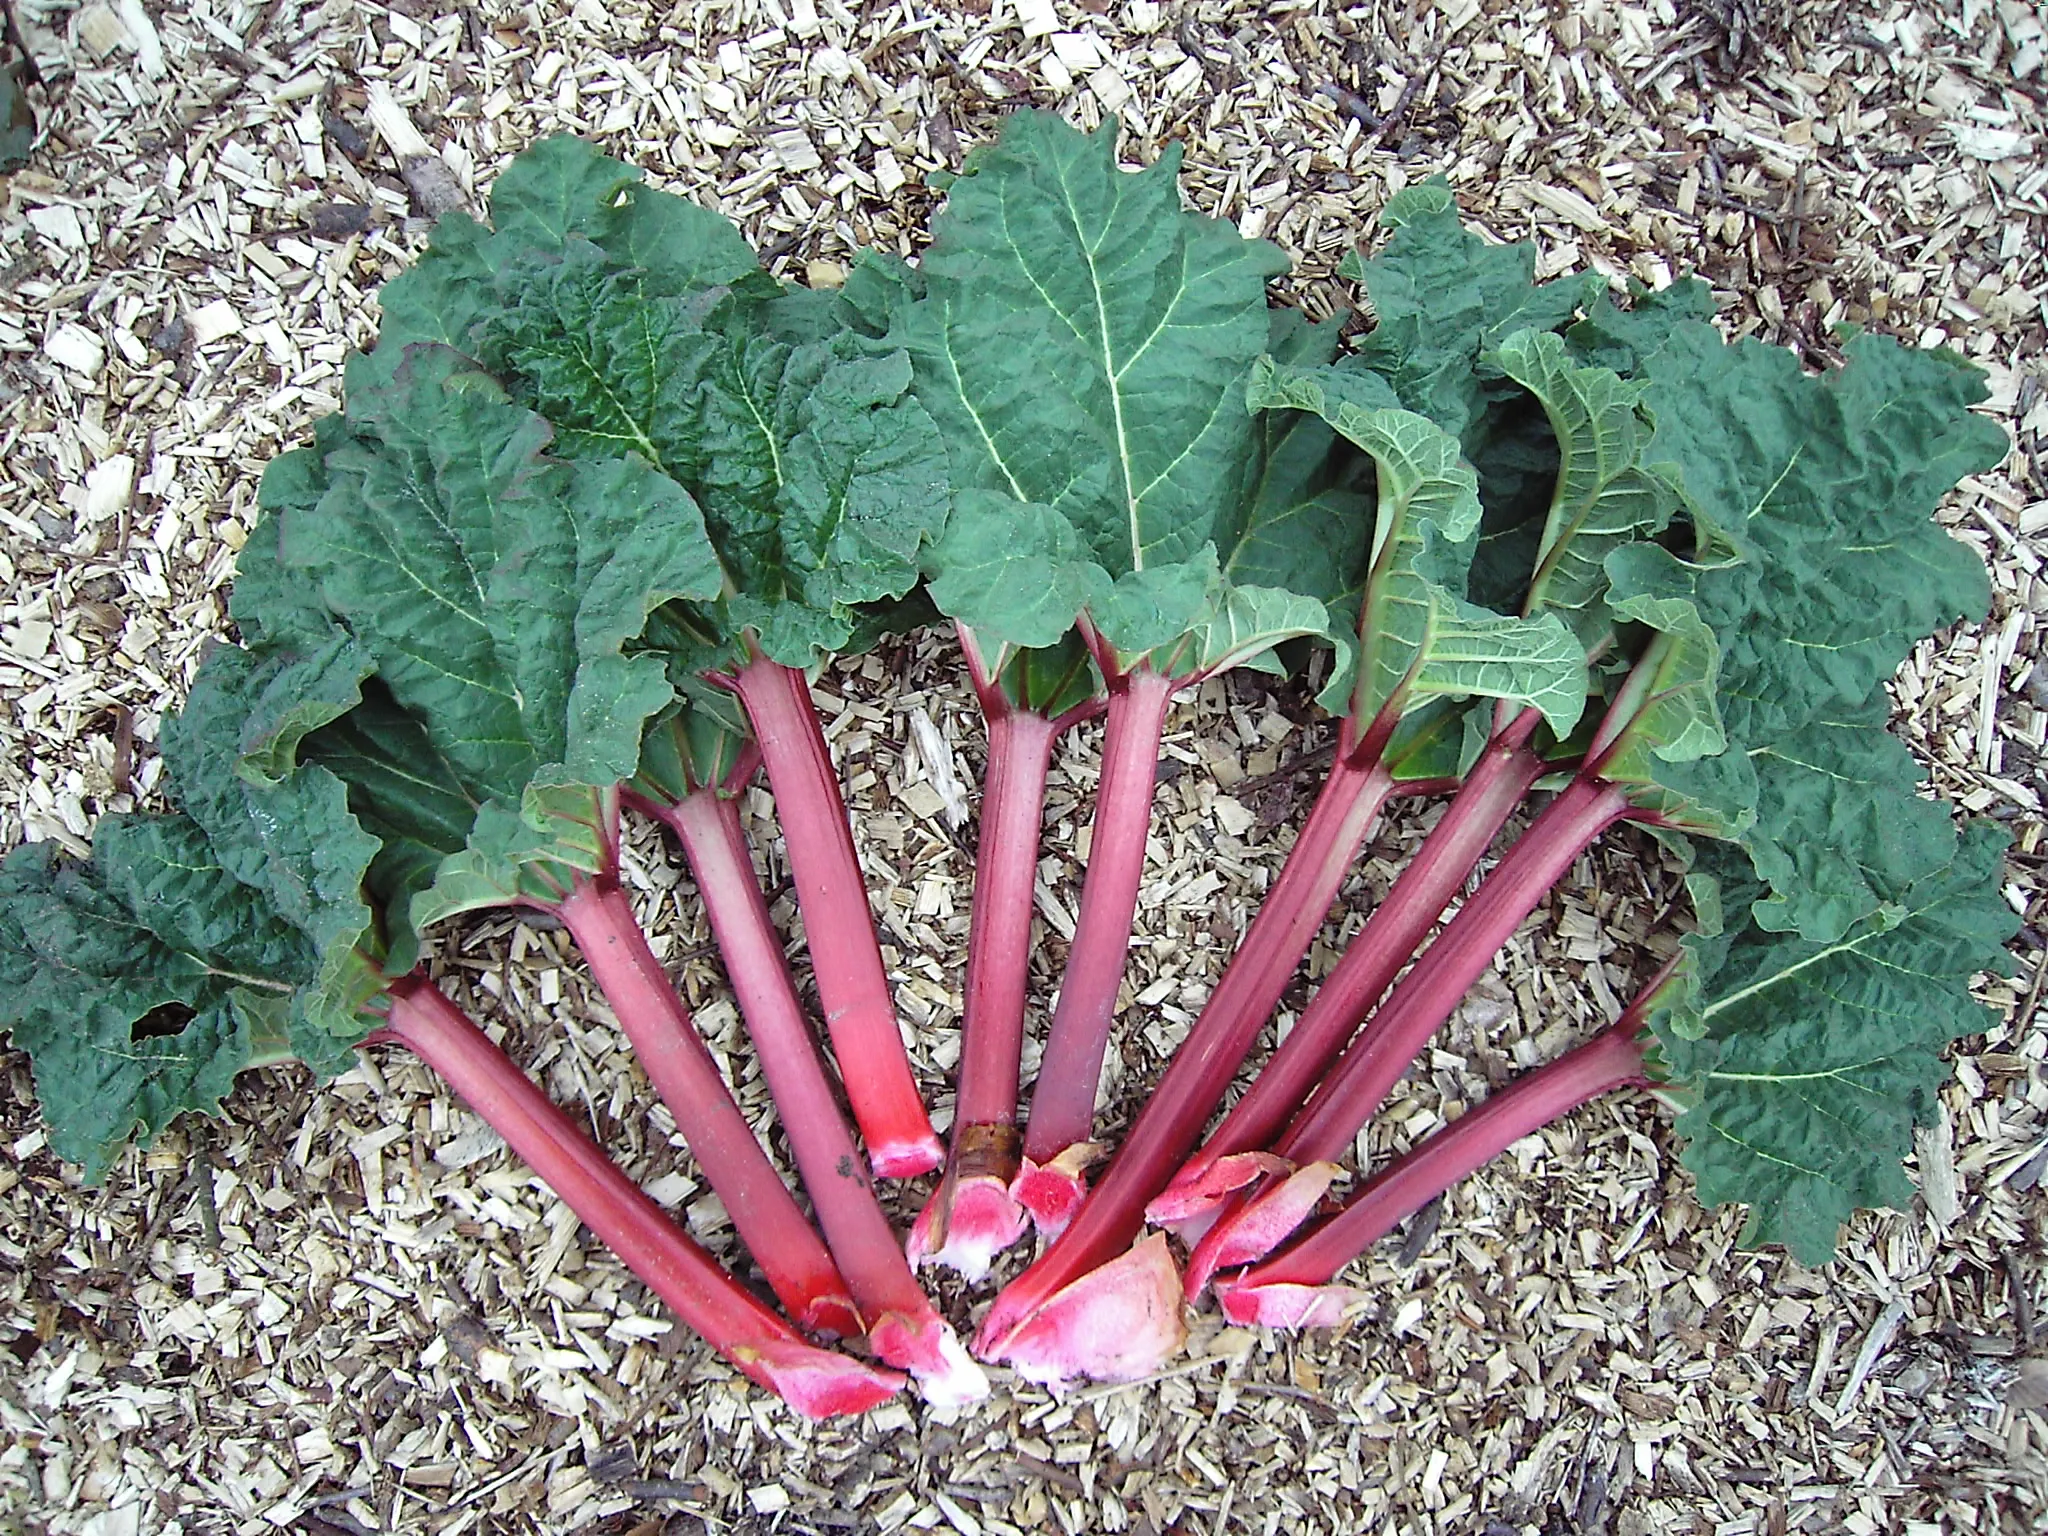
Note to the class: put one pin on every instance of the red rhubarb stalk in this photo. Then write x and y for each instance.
(899, 1320)
(600, 919)
(1497, 783)
(972, 1215)
(1294, 1289)
(760, 1344)
(1382, 1052)
(853, 988)
(1056, 1140)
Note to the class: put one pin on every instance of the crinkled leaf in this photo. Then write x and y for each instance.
(133, 981)
(863, 485)
(1824, 488)
(1443, 297)
(819, 478)
(1418, 639)
(559, 835)
(1839, 822)
(495, 586)
(1084, 340)
(1611, 337)
(290, 834)
(615, 369)
(1819, 1058)
(557, 190)
(1604, 494)
(1014, 572)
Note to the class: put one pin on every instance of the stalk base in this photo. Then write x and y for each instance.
(1187, 1200)
(815, 1383)
(925, 1346)
(1279, 1305)
(1053, 1191)
(1256, 1229)
(830, 1317)
(906, 1159)
(971, 1220)
(1120, 1322)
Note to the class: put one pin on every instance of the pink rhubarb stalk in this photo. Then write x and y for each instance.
(1295, 1290)
(1057, 1148)
(600, 919)
(972, 1215)
(1382, 1052)
(760, 1344)
(1024, 1325)
(853, 988)
(1230, 1159)
(901, 1325)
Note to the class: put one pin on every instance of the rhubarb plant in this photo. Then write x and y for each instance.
(360, 527)
(252, 932)
(1799, 1069)
(1132, 493)
(606, 490)
(1814, 568)
(637, 323)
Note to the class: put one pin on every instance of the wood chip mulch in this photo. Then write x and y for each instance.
(345, 1310)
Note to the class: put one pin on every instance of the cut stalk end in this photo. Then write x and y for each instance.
(908, 1157)
(965, 1224)
(1052, 1191)
(1276, 1304)
(1258, 1228)
(816, 1382)
(1121, 1322)
(925, 1346)
(830, 1317)
(1202, 1186)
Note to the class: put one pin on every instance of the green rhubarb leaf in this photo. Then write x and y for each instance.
(1049, 679)
(1823, 489)
(132, 981)
(863, 485)
(406, 795)
(1840, 822)
(1611, 337)
(1675, 716)
(1604, 494)
(1443, 297)
(1148, 615)
(1307, 525)
(690, 748)
(1084, 341)
(560, 835)
(501, 593)
(819, 477)
(496, 587)
(1247, 622)
(1015, 572)
(556, 192)
(1418, 638)
(290, 834)
(615, 370)
(1817, 1059)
